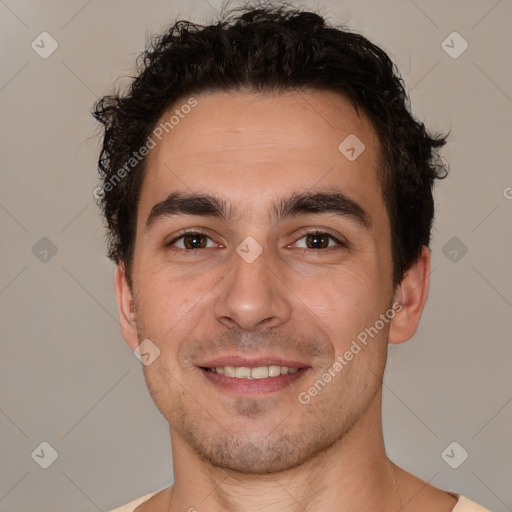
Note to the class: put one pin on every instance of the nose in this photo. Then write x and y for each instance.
(252, 296)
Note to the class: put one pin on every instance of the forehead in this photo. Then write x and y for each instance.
(251, 148)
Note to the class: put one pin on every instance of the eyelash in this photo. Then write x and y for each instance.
(199, 232)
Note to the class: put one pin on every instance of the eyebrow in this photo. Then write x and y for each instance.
(310, 202)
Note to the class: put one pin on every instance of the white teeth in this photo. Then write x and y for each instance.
(260, 372)
(242, 372)
(228, 370)
(275, 371)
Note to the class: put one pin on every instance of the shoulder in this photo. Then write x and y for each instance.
(466, 505)
(130, 507)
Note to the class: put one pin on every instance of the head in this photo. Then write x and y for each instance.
(276, 134)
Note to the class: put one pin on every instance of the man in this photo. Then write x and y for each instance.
(268, 197)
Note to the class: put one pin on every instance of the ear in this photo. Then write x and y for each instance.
(125, 307)
(412, 294)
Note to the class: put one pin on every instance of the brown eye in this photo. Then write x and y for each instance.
(318, 240)
(192, 240)
(197, 241)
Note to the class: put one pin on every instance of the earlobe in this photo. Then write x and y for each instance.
(411, 294)
(125, 307)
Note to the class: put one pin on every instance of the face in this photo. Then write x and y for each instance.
(296, 267)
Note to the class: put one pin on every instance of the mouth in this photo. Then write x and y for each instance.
(258, 372)
(252, 379)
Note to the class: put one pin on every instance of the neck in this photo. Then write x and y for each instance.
(353, 474)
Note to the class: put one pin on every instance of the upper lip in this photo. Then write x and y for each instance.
(251, 362)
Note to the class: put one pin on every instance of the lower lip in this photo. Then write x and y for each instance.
(252, 386)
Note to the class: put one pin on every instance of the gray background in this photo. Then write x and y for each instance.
(66, 375)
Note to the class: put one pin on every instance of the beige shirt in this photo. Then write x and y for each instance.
(463, 504)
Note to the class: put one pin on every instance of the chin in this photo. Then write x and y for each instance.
(260, 456)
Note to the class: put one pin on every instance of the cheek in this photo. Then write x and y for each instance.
(345, 302)
(173, 303)
(164, 291)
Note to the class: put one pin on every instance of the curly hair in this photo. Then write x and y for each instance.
(265, 48)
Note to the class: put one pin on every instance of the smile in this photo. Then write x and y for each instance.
(259, 372)
(246, 381)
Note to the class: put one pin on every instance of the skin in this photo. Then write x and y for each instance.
(272, 452)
